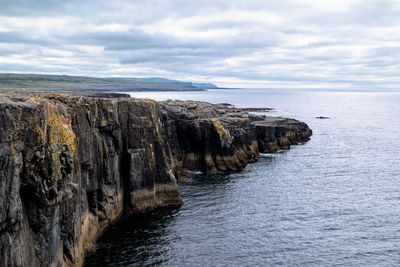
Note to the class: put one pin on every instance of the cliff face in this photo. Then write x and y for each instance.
(71, 165)
(212, 138)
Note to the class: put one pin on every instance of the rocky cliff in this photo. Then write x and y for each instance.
(71, 165)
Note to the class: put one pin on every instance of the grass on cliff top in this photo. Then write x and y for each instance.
(32, 82)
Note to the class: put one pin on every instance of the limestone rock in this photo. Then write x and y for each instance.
(71, 165)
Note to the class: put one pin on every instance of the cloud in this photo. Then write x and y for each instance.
(293, 42)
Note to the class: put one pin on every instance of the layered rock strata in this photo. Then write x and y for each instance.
(71, 165)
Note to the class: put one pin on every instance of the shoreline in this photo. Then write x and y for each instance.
(89, 161)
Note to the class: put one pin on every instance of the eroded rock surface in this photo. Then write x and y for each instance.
(71, 165)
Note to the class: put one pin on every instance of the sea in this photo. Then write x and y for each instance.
(333, 201)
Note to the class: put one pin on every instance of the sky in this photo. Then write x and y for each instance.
(242, 43)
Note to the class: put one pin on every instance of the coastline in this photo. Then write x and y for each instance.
(87, 161)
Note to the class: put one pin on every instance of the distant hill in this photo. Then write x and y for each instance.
(165, 80)
(89, 84)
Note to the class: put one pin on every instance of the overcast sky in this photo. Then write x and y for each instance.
(304, 43)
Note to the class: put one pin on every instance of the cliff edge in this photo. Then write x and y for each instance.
(71, 165)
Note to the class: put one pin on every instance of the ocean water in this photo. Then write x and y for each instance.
(334, 201)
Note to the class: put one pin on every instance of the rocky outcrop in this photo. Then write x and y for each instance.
(214, 138)
(72, 165)
(280, 133)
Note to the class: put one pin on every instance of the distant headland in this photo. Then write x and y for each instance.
(40, 82)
